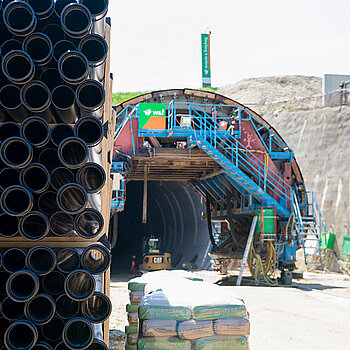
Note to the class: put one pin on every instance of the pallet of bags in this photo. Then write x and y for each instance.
(187, 315)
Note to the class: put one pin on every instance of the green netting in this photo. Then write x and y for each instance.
(222, 343)
(132, 307)
(131, 329)
(163, 344)
(212, 312)
(130, 346)
(147, 312)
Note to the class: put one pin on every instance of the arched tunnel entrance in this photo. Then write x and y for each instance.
(174, 215)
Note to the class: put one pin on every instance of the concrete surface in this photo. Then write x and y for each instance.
(313, 314)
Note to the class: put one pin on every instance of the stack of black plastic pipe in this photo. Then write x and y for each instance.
(52, 100)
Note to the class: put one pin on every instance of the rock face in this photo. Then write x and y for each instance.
(320, 139)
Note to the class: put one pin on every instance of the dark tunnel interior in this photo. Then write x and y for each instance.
(174, 215)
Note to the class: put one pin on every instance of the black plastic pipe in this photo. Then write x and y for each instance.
(18, 67)
(9, 45)
(61, 346)
(63, 101)
(21, 335)
(80, 285)
(43, 8)
(98, 344)
(36, 98)
(60, 132)
(41, 260)
(52, 331)
(16, 201)
(92, 177)
(22, 286)
(98, 9)
(90, 130)
(90, 97)
(60, 177)
(40, 310)
(67, 308)
(49, 158)
(76, 20)
(9, 129)
(62, 224)
(53, 283)
(10, 101)
(62, 47)
(68, 260)
(13, 260)
(61, 4)
(12, 310)
(8, 177)
(73, 152)
(3, 279)
(97, 308)
(96, 259)
(39, 47)
(72, 198)
(42, 346)
(95, 48)
(8, 225)
(54, 32)
(16, 152)
(47, 203)
(19, 18)
(51, 77)
(34, 226)
(89, 223)
(36, 131)
(73, 67)
(78, 333)
(36, 178)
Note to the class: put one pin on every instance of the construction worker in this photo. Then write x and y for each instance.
(231, 128)
(223, 124)
(133, 268)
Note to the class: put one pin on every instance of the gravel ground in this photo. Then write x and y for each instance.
(313, 313)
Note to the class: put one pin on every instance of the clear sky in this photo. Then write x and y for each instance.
(156, 43)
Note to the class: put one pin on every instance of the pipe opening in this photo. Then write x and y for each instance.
(34, 226)
(61, 224)
(8, 177)
(92, 177)
(10, 45)
(96, 7)
(16, 200)
(19, 18)
(39, 48)
(97, 308)
(51, 77)
(36, 96)
(78, 334)
(54, 32)
(8, 225)
(61, 346)
(8, 129)
(60, 177)
(12, 310)
(63, 97)
(53, 283)
(21, 335)
(14, 260)
(22, 286)
(89, 223)
(72, 198)
(79, 285)
(91, 96)
(96, 259)
(68, 260)
(41, 260)
(74, 67)
(49, 159)
(62, 47)
(42, 346)
(73, 152)
(36, 178)
(40, 6)
(89, 129)
(94, 48)
(67, 308)
(61, 4)
(52, 330)
(18, 67)
(16, 152)
(10, 99)
(76, 20)
(98, 345)
(61, 132)
(47, 203)
(36, 131)
(40, 309)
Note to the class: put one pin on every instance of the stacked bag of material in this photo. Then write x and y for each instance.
(180, 314)
(136, 288)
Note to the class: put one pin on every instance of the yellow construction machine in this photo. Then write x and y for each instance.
(152, 258)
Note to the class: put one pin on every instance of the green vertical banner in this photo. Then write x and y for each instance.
(206, 73)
